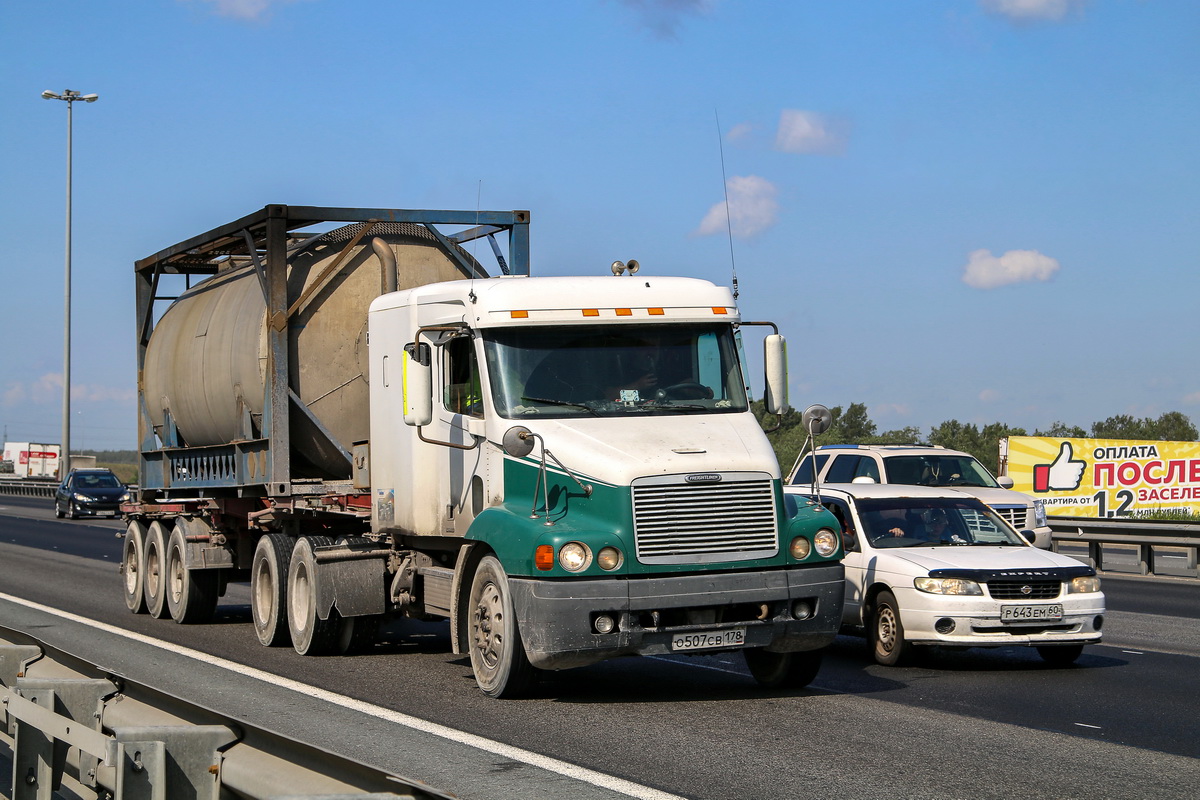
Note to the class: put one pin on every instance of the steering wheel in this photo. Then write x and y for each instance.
(687, 390)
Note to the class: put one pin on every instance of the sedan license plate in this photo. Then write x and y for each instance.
(1052, 612)
(709, 640)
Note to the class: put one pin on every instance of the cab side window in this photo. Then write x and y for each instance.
(462, 393)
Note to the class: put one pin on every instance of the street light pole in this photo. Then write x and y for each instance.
(65, 448)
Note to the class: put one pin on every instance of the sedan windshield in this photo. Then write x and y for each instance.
(613, 370)
(937, 470)
(932, 522)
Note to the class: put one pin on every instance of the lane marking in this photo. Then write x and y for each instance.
(1085, 725)
(573, 771)
(1134, 652)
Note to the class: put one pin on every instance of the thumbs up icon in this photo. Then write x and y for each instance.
(1063, 474)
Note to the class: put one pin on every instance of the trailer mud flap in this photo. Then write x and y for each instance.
(355, 588)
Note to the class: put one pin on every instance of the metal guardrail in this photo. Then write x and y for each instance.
(77, 732)
(27, 487)
(1145, 536)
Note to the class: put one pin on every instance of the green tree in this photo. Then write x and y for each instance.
(1061, 430)
(1171, 426)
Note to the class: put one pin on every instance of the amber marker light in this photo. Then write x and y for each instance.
(519, 314)
(719, 310)
(543, 557)
(624, 312)
(591, 312)
(655, 312)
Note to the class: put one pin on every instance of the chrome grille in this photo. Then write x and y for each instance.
(1015, 590)
(676, 522)
(1013, 515)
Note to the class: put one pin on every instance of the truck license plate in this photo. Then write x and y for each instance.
(1031, 613)
(709, 640)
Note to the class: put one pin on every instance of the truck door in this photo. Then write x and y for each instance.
(458, 422)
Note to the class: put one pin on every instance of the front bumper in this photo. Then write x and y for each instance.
(557, 616)
(95, 508)
(977, 621)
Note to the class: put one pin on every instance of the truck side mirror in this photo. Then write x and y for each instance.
(418, 384)
(775, 363)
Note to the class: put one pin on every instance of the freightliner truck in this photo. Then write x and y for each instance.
(364, 425)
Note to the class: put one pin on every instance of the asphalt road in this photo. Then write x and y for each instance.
(980, 723)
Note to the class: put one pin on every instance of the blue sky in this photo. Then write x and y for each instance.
(983, 210)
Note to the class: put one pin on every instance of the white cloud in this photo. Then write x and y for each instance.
(810, 132)
(989, 395)
(664, 17)
(740, 132)
(986, 271)
(1192, 399)
(246, 9)
(752, 208)
(47, 390)
(1025, 11)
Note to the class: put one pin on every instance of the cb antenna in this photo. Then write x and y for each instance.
(728, 219)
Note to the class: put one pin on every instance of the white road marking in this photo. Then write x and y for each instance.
(573, 771)
(1085, 725)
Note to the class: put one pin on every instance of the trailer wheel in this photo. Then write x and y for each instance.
(132, 561)
(783, 670)
(191, 593)
(268, 589)
(311, 635)
(497, 655)
(154, 573)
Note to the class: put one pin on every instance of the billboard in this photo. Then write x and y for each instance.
(1103, 477)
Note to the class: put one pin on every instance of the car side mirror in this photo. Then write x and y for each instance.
(1029, 536)
(1005, 482)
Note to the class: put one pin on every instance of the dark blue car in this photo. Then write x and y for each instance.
(89, 493)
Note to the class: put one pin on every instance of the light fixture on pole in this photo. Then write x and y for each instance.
(65, 448)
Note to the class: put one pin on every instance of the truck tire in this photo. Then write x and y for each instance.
(268, 589)
(497, 655)
(311, 635)
(887, 632)
(132, 561)
(154, 571)
(783, 670)
(191, 593)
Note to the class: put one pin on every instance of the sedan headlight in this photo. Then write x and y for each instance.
(826, 542)
(948, 586)
(82, 498)
(1086, 583)
(1039, 514)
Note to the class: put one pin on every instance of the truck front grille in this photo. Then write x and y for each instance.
(725, 517)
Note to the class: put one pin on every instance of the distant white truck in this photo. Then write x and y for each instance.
(33, 460)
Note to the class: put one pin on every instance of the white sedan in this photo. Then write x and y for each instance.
(934, 566)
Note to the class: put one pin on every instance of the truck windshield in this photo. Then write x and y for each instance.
(614, 370)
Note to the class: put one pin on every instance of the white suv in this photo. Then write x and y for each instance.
(924, 465)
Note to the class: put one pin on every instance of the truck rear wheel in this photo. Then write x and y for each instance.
(783, 670)
(268, 589)
(154, 579)
(132, 561)
(497, 655)
(311, 635)
(191, 593)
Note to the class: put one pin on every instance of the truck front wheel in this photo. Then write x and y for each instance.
(497, 655)
(311, 635)
(783, 670)
(268, 589)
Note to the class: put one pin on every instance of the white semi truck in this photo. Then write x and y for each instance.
(366, 426)
(32, 460)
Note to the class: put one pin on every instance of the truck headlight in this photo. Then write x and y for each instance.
(1039, 514)
(958, 586)
(1085, 583)
(826, 542)
(609, 558)
(574, 556)
(800, 548)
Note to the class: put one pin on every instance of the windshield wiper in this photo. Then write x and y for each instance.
(673, 406)
(547, 401)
